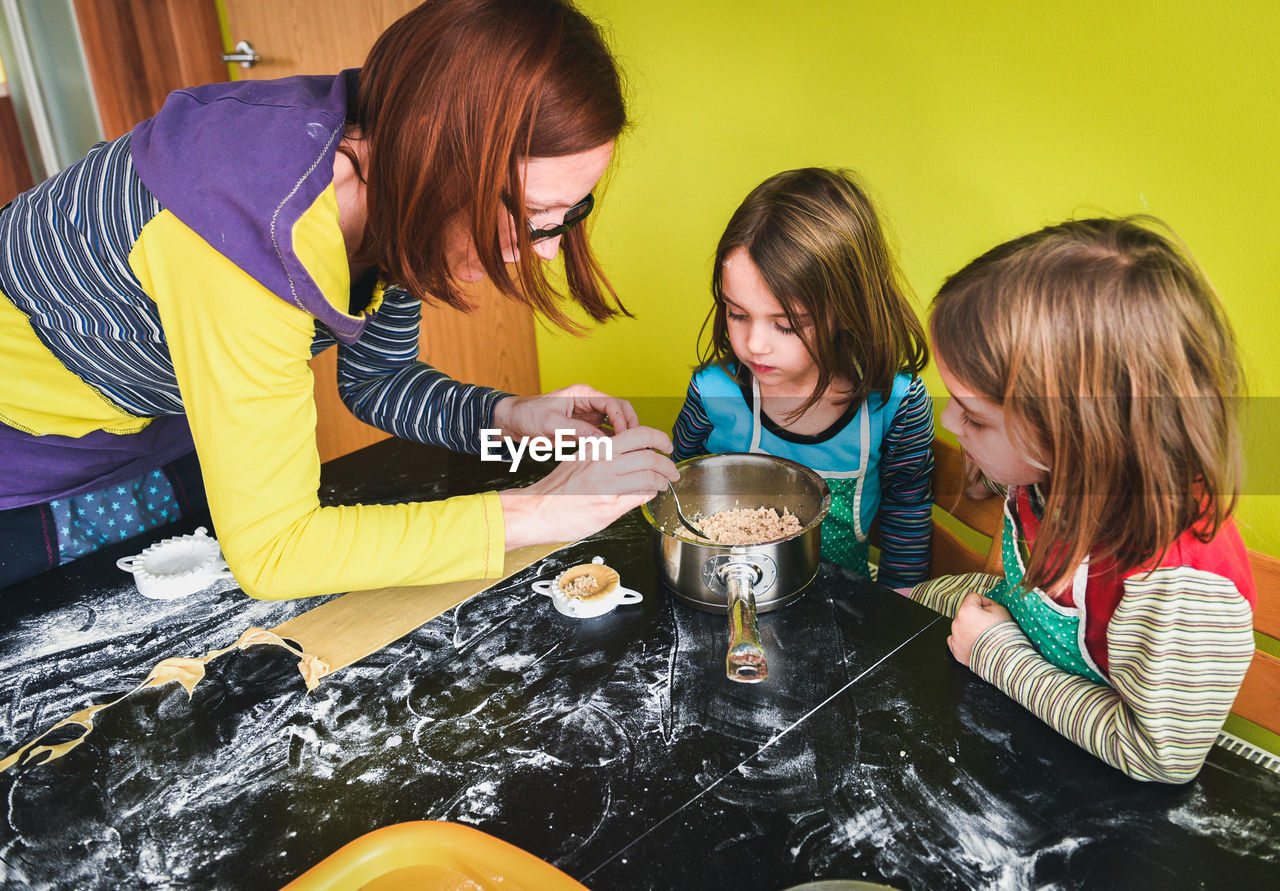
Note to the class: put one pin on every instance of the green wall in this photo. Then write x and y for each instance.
(971, 122)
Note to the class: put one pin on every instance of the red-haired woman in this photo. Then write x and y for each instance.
(168, 289)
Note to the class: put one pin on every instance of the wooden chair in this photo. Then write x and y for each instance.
(950, 555)
(1259, 699)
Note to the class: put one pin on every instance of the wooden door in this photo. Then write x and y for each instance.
(495, 344)
(15, 172)
(138, 51)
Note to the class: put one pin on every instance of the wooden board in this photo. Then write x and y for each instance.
(1259, 698)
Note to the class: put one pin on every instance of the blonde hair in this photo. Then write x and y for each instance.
(817, 242)
(1116, 368)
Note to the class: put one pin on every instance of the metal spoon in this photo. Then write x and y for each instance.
(680, 513)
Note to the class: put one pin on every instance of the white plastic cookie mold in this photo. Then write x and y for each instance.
(587, 590)
(177, 567)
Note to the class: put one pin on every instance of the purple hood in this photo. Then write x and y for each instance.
(240, 162)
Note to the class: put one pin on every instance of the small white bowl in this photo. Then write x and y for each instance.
(613, 594)
(177, 567)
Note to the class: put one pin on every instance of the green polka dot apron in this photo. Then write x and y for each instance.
(1056, 631)
(844, 540)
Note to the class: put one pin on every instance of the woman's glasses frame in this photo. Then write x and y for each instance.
(572, 217)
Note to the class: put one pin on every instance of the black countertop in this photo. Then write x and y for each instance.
(612, 747)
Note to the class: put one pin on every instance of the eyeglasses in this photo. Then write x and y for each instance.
(572, 217)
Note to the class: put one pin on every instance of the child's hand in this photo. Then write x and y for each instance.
(975, 615)
(976, 485)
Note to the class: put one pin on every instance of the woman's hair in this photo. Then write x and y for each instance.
(814, 236)
(451, 97)
(1116, 369)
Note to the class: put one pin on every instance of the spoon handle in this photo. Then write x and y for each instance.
(680, 513)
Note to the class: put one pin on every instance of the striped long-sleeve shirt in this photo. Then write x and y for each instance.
(88, 308)
(192, 268)
(1174, 642)
(904, 470)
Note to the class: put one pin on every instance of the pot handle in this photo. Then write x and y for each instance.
(746, 661)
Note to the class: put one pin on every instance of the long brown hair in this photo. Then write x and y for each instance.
(817, 242)
(1116, 368)
(451, 97)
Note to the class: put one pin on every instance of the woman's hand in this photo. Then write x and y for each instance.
(975, 615)
(579, 407)
(579, 498)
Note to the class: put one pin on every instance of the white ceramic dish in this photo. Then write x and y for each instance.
(177, 567)
(577, 608)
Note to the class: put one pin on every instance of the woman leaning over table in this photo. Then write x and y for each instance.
(166, 292)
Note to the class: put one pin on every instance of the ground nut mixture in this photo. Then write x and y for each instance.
(745, 525)
(582, 587)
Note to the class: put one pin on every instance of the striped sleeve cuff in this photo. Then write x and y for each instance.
(906, 481)
(692, 427)
(943, 594)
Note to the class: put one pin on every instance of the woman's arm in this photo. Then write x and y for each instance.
(240, 355)
(1178, 648)
(906, 491)
(383, 383)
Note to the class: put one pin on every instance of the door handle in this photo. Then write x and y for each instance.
(244, 53)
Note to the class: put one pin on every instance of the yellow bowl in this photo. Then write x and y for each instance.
(428, 855)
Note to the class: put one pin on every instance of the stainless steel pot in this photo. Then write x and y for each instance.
(740, 580)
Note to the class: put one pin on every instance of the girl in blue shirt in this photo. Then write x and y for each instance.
(814, 355)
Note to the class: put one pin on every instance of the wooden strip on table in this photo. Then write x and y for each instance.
(355, 625)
